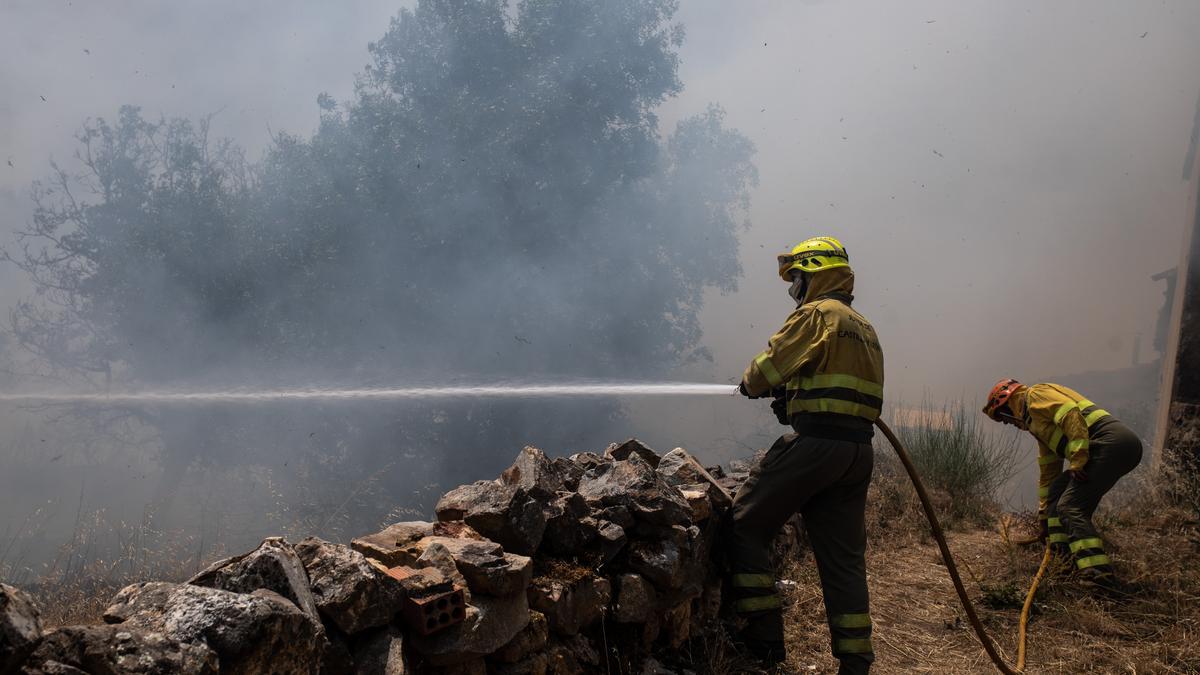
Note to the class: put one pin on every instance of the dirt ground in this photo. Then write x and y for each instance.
(919, 626)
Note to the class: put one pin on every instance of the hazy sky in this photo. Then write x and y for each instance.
(1006, 176)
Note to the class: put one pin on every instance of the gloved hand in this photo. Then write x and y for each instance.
(744, 392)
(779, 407)
(1078, 475)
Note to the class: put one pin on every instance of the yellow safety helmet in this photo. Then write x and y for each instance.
(813, 255)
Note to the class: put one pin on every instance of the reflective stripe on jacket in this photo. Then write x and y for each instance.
(826, 354)
(1059, 418)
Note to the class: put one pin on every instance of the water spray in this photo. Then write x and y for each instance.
(515, 390)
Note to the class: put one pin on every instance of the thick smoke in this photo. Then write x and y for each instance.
(496, 202)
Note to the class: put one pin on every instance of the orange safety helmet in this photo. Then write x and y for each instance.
(999, 396)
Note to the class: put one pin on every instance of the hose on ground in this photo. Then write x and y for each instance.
(1028, 605)
(936, 528)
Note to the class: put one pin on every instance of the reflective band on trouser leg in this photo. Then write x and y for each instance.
(1044, 491)
(758, 603)
(1093, 561)
(753, 580)
(768, 370)
(851, 621)
(761, 596)
(1090, 542)
(1089, 552)
(852, 646)
(851, 633)
(1058, 533)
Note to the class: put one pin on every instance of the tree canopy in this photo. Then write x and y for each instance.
(496, 201)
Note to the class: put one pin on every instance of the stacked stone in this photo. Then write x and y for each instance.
(592, 563)
(621, 543)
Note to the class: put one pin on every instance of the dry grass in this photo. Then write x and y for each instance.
(103, 557)
(920, 627)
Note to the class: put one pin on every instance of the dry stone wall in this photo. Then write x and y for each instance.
(592, 563)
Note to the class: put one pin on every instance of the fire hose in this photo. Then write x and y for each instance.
(938, 535)
(1029, 604)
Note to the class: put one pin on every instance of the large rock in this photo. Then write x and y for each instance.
(618, 515)
(569, 470)
(566, 533)
(699, 502)
(490, 623)
(506, 514)
(610, 539)
(631, 447)
(20, 627)
(379, 651)
(472, 667)
(438, 557)
(636, 599)
(536, 473)
(530, 640)
(410, 554)
(457, 547)
(349, 591)
(336, 656)
(570, 605)
(677, 623)
(561, 657)
(387, 545)
(262, 632)
(633, 484)
(539, 663)
(498, 575)
(587, 460)
(421, 582)
(662, 562)
(117, 650)
(678, 468)
(577, 653)
(273, 566)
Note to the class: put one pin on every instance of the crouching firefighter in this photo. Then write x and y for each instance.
(1098, 449)
(824, 369)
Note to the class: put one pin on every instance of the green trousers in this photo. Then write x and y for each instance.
(1114, 450)
(826, 482)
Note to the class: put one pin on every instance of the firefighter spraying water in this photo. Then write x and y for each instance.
(824, 370)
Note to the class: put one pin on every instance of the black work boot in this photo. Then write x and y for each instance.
(769, 653)
(1102, 580)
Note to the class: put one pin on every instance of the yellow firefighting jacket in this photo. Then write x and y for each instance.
(1059, 418)
(826, 353)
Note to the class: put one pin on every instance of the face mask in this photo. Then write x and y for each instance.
(1006, 417)
(798, 288)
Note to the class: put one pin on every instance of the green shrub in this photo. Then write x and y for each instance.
(957, 456)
